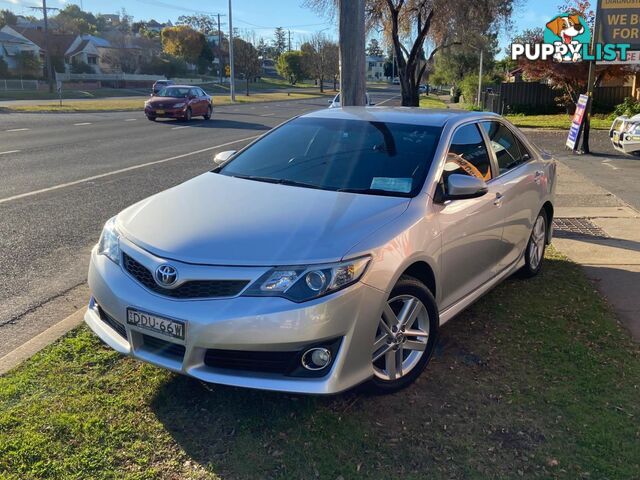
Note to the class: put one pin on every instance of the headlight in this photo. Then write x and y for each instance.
(179, 105)
(146, 103)
(302, 283)
(109, 244)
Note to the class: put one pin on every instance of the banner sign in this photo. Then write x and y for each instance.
(619, 22)
(576, 124)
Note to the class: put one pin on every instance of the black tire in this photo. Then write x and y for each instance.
(533, 261)
(207, 116)
(151, 119)
(409, 286)
(188, 114)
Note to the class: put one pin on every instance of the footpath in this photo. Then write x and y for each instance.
(602, 233)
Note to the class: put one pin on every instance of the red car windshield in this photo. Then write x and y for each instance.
(175, 92)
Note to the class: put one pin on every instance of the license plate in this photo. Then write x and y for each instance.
(148, 321)
(160, 112)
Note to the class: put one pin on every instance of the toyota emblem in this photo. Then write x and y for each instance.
(166, 275)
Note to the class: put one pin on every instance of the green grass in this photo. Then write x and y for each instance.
(137, 103)
(556, 121)
(70, 94)
(430, 101)
(536, 380)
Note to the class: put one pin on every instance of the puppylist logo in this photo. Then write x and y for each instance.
(566, 39)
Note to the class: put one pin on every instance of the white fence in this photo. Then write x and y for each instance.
(17, 84)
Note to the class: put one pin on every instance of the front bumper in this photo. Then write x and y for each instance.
(166, 112)
(256, 324)
(623, 144)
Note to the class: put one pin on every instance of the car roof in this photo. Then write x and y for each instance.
(409, 115)
(183, 86)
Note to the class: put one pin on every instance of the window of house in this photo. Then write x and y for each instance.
(92, 60)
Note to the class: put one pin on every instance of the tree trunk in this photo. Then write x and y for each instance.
(321, 84)
(247, 85)
(352, 53)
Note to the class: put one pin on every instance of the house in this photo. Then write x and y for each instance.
(83, 49)
(58, 42)
(12, 44)
(375, 68)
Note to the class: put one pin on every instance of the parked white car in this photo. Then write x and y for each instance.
(625, 134)
(328, 252)
(335, 103)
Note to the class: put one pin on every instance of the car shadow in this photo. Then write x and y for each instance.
(213, 123)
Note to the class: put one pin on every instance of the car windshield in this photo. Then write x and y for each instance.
(343, 155)
(175, 92)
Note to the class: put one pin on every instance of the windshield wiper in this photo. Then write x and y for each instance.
(281, 181)
(375, 191)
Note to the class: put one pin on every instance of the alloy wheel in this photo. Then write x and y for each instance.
(401, 338)
(537, 241)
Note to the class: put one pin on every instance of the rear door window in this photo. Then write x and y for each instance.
(509, 151)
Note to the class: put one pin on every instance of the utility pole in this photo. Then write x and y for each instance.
(232, 81)
(352, 53)
(289, 39)
(47, 53)
(480, 79)
(220, 62)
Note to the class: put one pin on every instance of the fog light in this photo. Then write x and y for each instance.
(316, 358)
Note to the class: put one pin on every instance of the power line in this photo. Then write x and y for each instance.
(158, 3)
(283, 26)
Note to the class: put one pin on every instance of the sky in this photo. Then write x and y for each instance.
(262, 16)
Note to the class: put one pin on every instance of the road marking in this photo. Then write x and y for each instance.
(18, 130)
(178, 128)
(609, 165)
(131, 119)
(10, 151)
(121, 170)
(81, 124)
(268, 115)
(388, 100)
(37, 343)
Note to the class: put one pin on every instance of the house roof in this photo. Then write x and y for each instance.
(8, 38)
(58, 42)
(81, 46)
(97, 41)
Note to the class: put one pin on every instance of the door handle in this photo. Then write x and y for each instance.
(538, 176)
(498, 200)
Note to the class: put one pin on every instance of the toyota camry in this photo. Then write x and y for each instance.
(327, 253)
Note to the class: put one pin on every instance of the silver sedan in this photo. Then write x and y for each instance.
(327, 253)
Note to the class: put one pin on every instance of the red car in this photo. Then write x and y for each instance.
(179, 101)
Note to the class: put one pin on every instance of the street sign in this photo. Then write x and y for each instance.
(576, 123)
(619, 23)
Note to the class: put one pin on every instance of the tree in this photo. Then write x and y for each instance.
(206, 24)
(164, 64)
(7, 17)
(373, 49)
(319, 60)
(290, 66)
(81, 67)
(28, 65)
(71, 19)
(279, 41)
(407, 24)
(4, 69)
(459, 61)
(246, 60)
(183, 42)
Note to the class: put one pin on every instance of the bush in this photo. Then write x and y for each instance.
(166, 65)
(4, 69)
(629, 107)
(81, 67)
(469, 87)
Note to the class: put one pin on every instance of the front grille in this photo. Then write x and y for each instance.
(270, 362)
(113, 323)
(190, 289)
(164, 348)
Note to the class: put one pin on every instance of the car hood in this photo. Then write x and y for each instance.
(221, 220)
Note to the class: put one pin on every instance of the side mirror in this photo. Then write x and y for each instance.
(461, 187)
(222, 157)
(191, 97)
(329, 102)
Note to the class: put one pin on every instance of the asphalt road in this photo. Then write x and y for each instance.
(63, 175)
